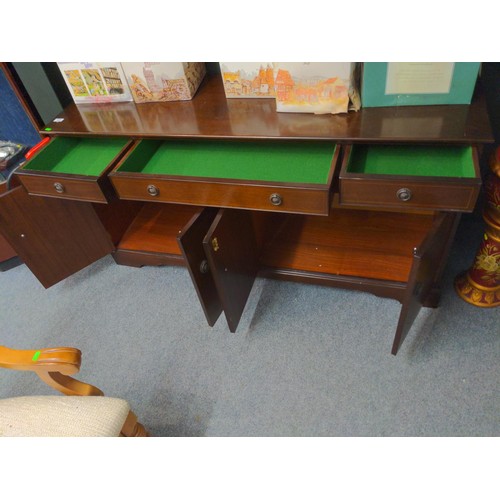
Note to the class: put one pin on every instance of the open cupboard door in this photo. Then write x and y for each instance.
(232, 254)
(428, 264)
(191, 244)
(54, 237)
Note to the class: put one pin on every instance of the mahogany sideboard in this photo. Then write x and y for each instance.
(230, 188)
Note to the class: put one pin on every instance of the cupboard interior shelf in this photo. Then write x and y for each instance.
(357, 243)
(156, 227)
(367, 244)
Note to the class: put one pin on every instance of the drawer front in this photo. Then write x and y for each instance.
(408, 194)
(74, 168)
(59, 187)
(447, 192)
(228, 195)
(284, 177)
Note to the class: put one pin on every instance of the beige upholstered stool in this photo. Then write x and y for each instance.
(62, 416)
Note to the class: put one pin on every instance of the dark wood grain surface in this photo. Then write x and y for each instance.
(428, 262)
(211, 115)
(360, 243)
(232, 254)
(55, 238)
(191, 244)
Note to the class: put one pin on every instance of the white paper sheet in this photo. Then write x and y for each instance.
(419, 78)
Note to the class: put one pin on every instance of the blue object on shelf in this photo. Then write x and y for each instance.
(15, 125)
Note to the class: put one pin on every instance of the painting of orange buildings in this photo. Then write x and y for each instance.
(262, 85)
(284, 85)
(304, 93)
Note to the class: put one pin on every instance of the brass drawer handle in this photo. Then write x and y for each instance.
(153, 190)
(59, 187)
(404, 194)
(276, 199)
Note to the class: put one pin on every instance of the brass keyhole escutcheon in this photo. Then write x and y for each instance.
(276, 199)
(153, 190)
(58, 187)
(404, 194)
(215, 244)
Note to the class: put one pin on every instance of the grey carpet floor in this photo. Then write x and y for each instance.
(305, 361)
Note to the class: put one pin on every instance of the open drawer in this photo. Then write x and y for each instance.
(410, 177)
(74, 168)
(281, 176)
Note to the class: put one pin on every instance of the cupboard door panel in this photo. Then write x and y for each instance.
(232, 253)
(428, 264)
(55, 238)
(191, 245)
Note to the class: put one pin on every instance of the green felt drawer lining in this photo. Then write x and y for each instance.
(455, 161)
(291, 162)
(79, 156)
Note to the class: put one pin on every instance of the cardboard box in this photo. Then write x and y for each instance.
(95, 82)
(247, 79)
(417, 83)
(316, 87)
(163, 81)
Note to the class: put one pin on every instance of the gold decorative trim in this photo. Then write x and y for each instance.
(474, 284)
(470, 293)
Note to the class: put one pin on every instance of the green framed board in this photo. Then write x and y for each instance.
(417, 84)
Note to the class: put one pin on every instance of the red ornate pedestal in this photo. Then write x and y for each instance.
(480, 285)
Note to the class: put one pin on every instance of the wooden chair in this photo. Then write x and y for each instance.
(62, 416)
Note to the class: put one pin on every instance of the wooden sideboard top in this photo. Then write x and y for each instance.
(211, 115)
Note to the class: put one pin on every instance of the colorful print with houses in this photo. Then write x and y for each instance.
(248, 79)
(95, 82)
(313, 87)
(154, 81)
